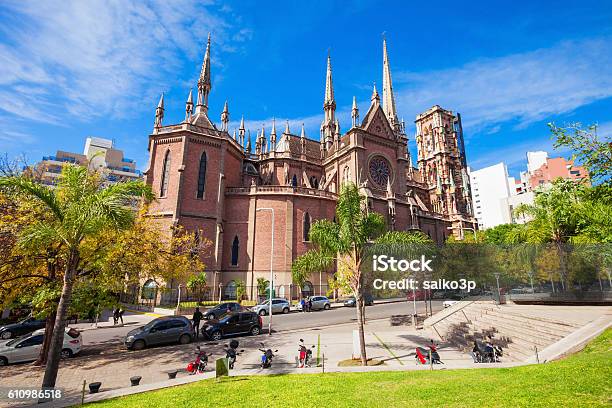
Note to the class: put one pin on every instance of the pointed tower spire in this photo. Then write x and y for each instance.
(225, 117)
(303, 140)
(241, 131)
(189, 106)
(234, 133)
(159, 113)
(388, 98)
(273, 135)
(204, 84)
(375, 97)
(287, 131)
(329, 105)
(355, 113)
(248, 143)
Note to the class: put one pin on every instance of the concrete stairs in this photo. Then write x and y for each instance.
(518, 334)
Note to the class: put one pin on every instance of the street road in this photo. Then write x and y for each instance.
(109, 340)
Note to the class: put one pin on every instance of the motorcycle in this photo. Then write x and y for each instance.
(200, 363)
(266, 357)
(305, 356)
(231, 353)
(423, 355)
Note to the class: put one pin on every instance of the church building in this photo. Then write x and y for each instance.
(256, 200)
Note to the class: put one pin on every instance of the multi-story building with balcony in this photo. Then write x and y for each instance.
(99, 154)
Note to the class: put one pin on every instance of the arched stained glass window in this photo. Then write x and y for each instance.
(202, 176)
(163, 189)
(235, 248)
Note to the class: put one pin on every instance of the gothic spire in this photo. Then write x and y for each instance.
(388, 98)
(303, 133)
(329, 86)
(273, 135)
(241, 131)
(287, 131)
(159, 113)
(204, 84)
(189, 106)
(248, 143)
(375, 97)
(355, 113)
(225, 117)
(329, 105)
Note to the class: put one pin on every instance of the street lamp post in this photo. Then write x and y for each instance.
(498, 290)
(178, 300)
(271, 286)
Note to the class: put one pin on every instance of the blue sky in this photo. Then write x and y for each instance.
(69, 70)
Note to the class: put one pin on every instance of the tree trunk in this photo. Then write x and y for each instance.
(360, 322)
(363, 310)
(44, 351)
(562, 265)
(57, 339)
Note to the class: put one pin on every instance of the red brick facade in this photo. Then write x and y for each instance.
(299, 178)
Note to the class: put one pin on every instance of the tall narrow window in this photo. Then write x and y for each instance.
(306, 228)
(294, 181)
(235, 248)
(202, 176)
(163, 190)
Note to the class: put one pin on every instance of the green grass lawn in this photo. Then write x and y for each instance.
(582, 380)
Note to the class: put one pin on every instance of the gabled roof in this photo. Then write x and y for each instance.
(376, 122)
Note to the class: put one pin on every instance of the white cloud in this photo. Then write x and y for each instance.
(526, 87)
(98, 57)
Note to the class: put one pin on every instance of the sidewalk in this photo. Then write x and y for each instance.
(392, 345)
(130, 318)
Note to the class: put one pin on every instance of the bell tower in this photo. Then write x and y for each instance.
(442, 164)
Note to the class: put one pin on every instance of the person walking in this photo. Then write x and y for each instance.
(121, 312)
(115, 315)
(197, 317)
(303, 304)
(309, 304)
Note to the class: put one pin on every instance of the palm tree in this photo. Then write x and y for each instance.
(80, 208)
(554, 219)
(343, 243)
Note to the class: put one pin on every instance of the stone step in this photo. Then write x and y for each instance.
(547, 328)
(507, 313)
(511, 328)
(510, 331)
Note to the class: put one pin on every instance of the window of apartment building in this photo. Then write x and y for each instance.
(165, 175)
(306, 227)
(202, 176)
(235, 248)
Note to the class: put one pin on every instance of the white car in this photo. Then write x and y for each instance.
(27, 348)
(449, 303)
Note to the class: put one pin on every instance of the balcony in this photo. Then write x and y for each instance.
(304, 191)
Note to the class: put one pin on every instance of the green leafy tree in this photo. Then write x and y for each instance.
(262, 286)
(344, 243)
(240, 289)
(79, 210)
(590, 149)
(197, 283)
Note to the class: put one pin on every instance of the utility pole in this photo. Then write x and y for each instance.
(271, 284)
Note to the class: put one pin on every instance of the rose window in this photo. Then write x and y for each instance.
(380, 171)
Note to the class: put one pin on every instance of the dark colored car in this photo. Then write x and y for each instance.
(368, 300)
(236, 323)
(163, 330)
(21, 328)
(222, 309)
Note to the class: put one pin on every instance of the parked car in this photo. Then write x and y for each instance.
(279, 305)
(222, 309)
(368, 300)
(27, 348)
(318, 303)
(236, 323)
(167, 329)
(21, 328)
